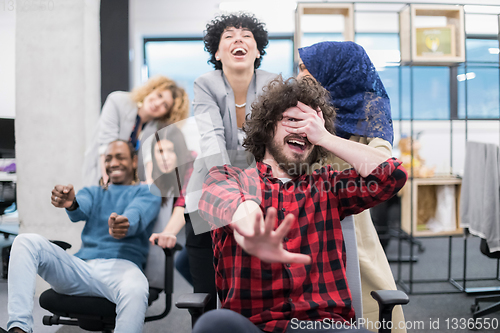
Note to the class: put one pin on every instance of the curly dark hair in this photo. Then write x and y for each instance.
(241, 20)
(278, 96)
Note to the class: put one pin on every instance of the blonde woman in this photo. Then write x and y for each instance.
(131, 116)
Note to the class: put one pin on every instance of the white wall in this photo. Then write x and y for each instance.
(57, 94)
(57, 97)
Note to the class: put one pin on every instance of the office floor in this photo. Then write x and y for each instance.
(432, 313)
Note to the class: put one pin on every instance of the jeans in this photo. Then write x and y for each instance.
(118, 280)
(227, 321)
(182, 265)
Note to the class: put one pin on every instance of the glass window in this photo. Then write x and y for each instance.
(485, 50)
(279, 57)
(311, 38)
(181, 60)
(184, 60)
(431, 93)
(482, 92)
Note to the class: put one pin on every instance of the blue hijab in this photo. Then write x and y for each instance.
(344, 69)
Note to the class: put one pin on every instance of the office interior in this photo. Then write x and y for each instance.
(59, 59)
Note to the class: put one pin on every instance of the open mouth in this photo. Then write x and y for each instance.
(239, 52)
(296, 144)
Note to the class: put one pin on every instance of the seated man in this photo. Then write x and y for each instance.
(278, 246)
(119, 219)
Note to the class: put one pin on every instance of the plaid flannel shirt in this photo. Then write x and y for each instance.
(270, 295)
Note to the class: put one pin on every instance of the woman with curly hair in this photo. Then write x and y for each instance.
(222, 100)
(130, 116)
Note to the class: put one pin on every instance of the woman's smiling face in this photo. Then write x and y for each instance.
(237, 49)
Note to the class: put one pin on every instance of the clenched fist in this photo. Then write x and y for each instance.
(118, 225)
(63, 196)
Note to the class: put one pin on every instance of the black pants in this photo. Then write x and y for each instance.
(201, 263)
(227, 321)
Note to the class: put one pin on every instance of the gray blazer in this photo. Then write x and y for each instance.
(215, 114)
(116, 122)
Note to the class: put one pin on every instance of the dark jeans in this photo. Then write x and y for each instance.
(182, 265)
(202, 273)
(201, 261)
(227, 321)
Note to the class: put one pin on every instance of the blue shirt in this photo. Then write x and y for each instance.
(96, 205)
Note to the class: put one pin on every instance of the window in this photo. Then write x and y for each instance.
(432, 88)
(184, 59)
(478, 81)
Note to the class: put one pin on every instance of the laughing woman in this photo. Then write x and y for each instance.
(129, 115)
(222, 99)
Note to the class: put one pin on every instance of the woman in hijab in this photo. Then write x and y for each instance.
(363, 115)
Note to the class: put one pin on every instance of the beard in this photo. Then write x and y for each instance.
(293, 166)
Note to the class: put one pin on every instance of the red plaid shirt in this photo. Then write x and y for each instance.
(270, 295)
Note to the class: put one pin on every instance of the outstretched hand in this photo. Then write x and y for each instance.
(62, 196)
(265, 243)
(305, 121)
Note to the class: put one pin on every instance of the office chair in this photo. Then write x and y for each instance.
(475, 308)
(387, 299)
(96, 313)
(7, 198)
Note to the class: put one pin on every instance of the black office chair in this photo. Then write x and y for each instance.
(96, 313)
(387, 299)
(475, 308)
(7, 195)
(7, 198)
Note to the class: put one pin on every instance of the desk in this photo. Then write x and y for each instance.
(8, 177)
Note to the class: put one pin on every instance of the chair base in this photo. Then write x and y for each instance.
(478, 312)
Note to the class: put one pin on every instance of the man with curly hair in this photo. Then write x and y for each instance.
(278, 246)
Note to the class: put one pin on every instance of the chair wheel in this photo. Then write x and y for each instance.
(474, 308)
(421, 248)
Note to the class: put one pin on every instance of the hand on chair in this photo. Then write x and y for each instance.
(165, 240)
(63, 196)
(118, 225)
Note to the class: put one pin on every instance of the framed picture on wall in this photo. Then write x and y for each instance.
(436, 41)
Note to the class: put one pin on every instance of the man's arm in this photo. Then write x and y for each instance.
(168, 237)
(309, 123)
(375, 178)
(226, 203)
(141, 211)
(78, 207)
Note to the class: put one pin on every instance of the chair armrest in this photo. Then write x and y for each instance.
(390, 297)
(62, 244)
(387, 300)
(195, 300)
(195, 303)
